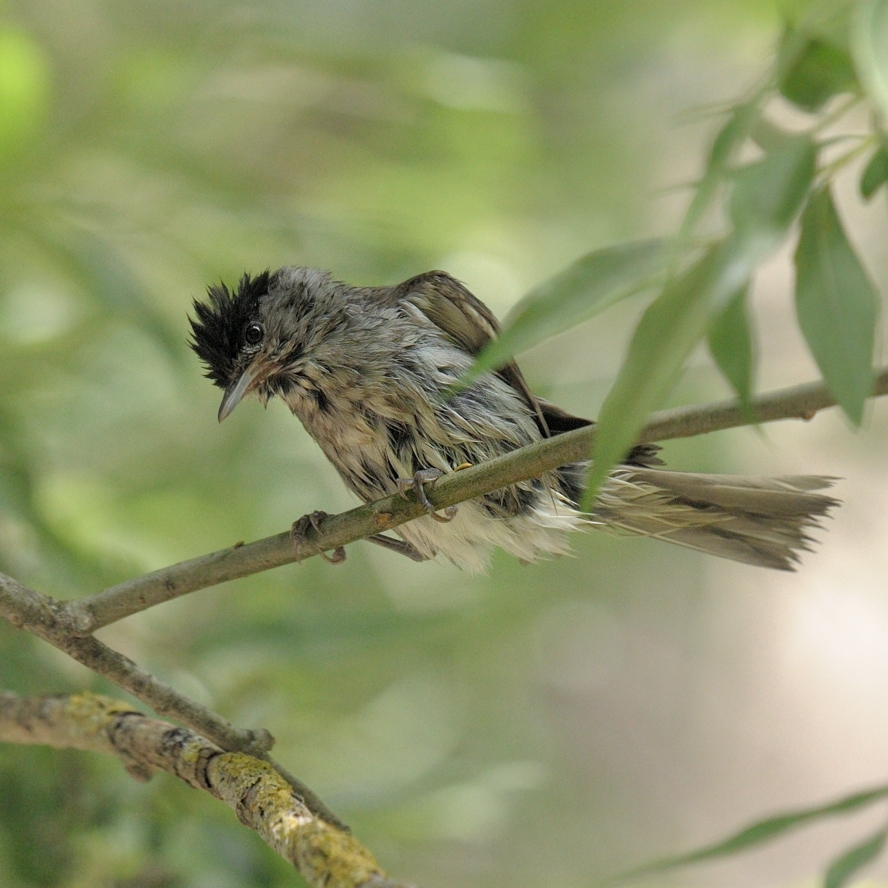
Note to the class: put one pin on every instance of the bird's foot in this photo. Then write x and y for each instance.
(297, 537)
(417, 485)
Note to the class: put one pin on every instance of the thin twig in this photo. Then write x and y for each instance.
(45, 617)
(88, 614)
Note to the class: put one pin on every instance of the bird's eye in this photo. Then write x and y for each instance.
(253, 334)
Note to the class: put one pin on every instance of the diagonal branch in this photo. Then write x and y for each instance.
(45, 617)
(325, 854)
(86, 615)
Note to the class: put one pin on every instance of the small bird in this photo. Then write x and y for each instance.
(370, 372)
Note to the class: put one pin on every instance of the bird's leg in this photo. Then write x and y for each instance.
(297, 536)
(417, 485)
(402, 547)
(315, 519)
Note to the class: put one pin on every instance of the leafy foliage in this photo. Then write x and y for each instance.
(588, 286)
(876, 173)
(731, 344)
(761, 201)
(836, 304)
(812, 76)
(772, 828)
(847, 864)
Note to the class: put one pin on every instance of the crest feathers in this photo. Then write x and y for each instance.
(218, 328)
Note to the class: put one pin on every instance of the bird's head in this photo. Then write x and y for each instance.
(252, 340)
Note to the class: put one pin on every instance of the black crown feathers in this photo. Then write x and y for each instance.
(218, 330)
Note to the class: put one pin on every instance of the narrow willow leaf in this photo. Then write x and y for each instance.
(724, 149)
(767, 135)
(836, 305)
(583, 289)
(769, 193)
(745, 120)
(847, 864)
(876, 173)
(869, 49)
(730, 343)
(819, 72)
(757, 834)
(766, 198)
(666, 334)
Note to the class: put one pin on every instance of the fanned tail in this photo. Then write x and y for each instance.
(756, 520)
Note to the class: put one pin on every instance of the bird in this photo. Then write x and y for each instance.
(372, 373)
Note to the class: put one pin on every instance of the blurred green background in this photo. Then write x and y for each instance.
(542, 725)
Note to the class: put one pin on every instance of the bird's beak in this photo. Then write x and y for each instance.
(235, 392)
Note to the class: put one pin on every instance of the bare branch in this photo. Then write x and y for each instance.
(44, 616)
(323, 853)
(88, 614)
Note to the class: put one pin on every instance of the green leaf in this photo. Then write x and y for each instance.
(583, 289)
(666, 334)
(724, 149)
(836, 305)
(766, 198)
(847, 864)
(730, 342)
(769, 193)
(744, 121)
(876, 173)
(869, 49)
(767, 135)
(757, 834)
(819, 72)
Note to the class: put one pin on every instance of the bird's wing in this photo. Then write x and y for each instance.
(559, 420)
(462, 317)
(470, 324)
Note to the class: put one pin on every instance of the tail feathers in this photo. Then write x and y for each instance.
(756, 520)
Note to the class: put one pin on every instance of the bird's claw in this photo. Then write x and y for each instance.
(417, 485)
(297, 537)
